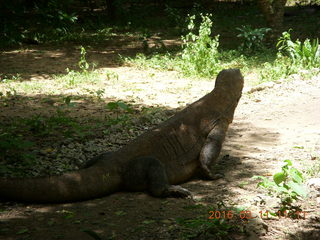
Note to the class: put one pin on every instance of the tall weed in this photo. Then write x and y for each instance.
(306, 54)
(199, 55)
(200, 51)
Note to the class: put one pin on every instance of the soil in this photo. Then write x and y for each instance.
(277, 123)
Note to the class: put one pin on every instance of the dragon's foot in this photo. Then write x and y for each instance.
(179, 192)
(215, 176)
(207, 174)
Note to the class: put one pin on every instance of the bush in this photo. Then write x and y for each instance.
(305, 53)
(252, 39)
(287, 184)
(200, 51)
(35, 21)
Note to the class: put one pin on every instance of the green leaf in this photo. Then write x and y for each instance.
(282, 189)
(296, 175)
(148, 221)
(279, 177)
(112, 105)
(289, 163)
(299, 189)
(273, 214)
(67, 214)
(22, 231)
(124, 106)
(299, 147)
(120, 213)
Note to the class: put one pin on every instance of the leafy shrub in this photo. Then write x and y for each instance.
(47, 126)
(54, 15)
(305, 53)
(73, 78)
(116, 106)
(200, 51)
(41, 21)
(122, 111)
(83, 64)
(291, 57)
(280, 68)
(199, 56)
(287, 184)
(252, 39)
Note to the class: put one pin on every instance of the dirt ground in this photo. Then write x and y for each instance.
(277, 123)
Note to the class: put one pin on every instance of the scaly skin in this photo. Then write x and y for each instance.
(176, 149)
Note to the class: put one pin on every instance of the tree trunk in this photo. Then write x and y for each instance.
(273, 11)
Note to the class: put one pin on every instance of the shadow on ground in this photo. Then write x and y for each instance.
(133, 215)
(43, 61)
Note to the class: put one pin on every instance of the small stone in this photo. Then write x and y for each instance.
(259, 200)
(314, 183)
(71, 145)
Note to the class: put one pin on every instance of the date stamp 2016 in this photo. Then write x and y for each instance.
(246, 214)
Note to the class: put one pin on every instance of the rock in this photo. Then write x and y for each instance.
(259, 200)
(314, 184)
(265, 200)
(260, 87)
(71, 145)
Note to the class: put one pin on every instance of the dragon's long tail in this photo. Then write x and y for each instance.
(84, 184)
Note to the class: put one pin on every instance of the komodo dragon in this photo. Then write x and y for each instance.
(168, 154)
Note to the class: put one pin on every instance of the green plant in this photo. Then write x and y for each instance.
(11, 78)
(159, 61)
(199, 56)
(121, 119)
(54, 125)
(314, 169)
(111, 75)
(121, 110)
(280, 68)
(54, 15)
(116, 106)
(96, 93)
(252, 38)
(305, 53)
(287, 184)
(73, 78)
(204, 228)
(68, 101)
(83, 64)
(99, 93)
(46, 21)
(14, 148)
(200, 51)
